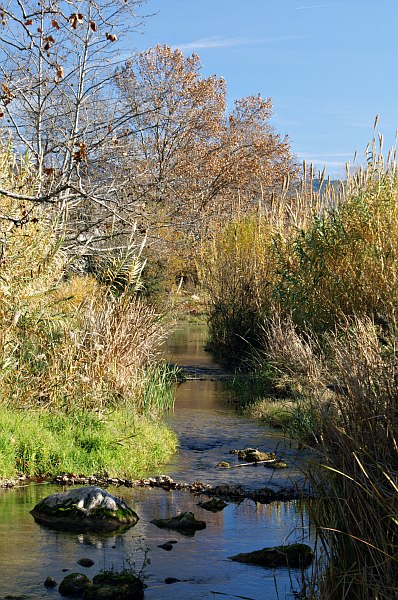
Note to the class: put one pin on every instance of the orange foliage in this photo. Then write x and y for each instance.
(191, 162)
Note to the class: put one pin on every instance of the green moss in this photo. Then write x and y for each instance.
(112, 578)
(110, 585)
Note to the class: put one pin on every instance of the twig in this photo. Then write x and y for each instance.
(254, 463)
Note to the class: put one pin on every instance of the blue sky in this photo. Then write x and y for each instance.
(329, 65)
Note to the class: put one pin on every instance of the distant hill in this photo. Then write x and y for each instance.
(316, 184)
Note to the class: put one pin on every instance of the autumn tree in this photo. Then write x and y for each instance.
(57, 59)
(178, 113)
(192, 162)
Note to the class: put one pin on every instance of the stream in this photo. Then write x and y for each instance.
(208, 426)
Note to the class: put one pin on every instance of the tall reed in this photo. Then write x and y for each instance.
(345, 408)
(318, 256)
(344, 261)
(322, 318)
(238, 271)
(357, 482)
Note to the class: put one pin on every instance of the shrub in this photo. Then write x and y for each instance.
(67, 341)
(344, 262)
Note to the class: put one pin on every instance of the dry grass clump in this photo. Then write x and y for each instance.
(67, 342)
(345, 407)
(357, 520)
(119, 343)
(317, 256)
(297, 367)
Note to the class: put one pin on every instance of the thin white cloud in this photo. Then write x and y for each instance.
(218, 42)
(306, 156)
(329, 163)
(313, 6)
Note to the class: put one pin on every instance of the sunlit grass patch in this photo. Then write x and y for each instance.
(115, 443)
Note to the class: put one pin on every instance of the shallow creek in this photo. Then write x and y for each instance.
(208, 426)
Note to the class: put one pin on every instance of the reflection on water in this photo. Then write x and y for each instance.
(30, 552)
(208, 427)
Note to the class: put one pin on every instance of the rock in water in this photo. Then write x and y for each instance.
(254, 455)
(185, 523)
(74, 585)
(292, 555)
(84, 508)
(110, 585)
(50, 582)
(214, 505)
(85, 562)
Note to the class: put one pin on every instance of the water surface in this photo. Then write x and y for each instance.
(208, 427)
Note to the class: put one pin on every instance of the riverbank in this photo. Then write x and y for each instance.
(261, 509)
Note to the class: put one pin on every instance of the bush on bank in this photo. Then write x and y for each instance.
(72, 346)
(319, 257)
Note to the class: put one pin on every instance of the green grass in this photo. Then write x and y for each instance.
(275, 413)
(116, 442)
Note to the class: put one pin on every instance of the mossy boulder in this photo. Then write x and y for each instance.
(85, 508)
(74, 585)
(185, 523)
(110, 585)
(292, 556)
(253, 455)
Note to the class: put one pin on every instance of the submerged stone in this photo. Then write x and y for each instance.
(214, 505)
(277, 464)
(185, 523)
(85, 562)
(166, 546)
(84, 508)
(110, 585)
(292, 555)
(74, 585)
(50, 582)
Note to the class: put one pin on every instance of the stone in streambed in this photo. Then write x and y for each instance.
(277, 464)
(292, 556)
(74, 585)
(84, 508)
(50, 582)
(214, 505)
(185, 523)
(253, 455)
(85, 562)
(109, 585)
(167, 546)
